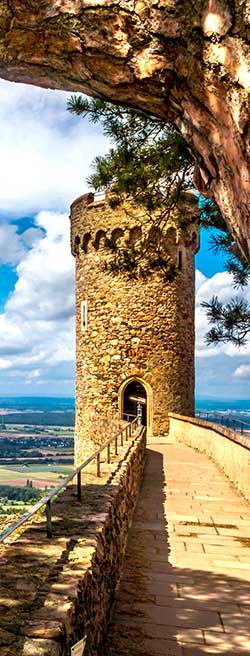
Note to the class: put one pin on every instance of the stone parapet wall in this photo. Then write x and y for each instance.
(64, 587)
(229, 449)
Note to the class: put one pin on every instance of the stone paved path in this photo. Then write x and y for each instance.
(185, 588)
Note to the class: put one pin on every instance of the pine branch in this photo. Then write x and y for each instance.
(231, 322)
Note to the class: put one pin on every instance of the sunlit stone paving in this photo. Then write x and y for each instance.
(185, 587)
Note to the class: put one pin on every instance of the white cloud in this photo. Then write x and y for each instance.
(199, 279)
(243, 371)
(45, 152)
(4, 363)
(219, 285)
(37, 326)
(215, 365)
(46, 274)
(13, 246)
(45, 158)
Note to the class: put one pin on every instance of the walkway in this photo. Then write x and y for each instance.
(185, 588)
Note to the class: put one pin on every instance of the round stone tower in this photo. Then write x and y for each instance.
(134, 336)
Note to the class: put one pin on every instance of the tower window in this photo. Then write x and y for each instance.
(180, 260)
(85, 242)
(76, 244)
(84, 316)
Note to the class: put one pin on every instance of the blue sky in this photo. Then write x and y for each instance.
(45, 158)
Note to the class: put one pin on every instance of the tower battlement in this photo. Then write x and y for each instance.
(134, 334)
(93, 222)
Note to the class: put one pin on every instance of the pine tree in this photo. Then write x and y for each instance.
(150, 164)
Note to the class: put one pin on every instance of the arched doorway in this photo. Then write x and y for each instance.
(135, 402)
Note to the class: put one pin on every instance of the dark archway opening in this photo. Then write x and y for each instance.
(135, 402)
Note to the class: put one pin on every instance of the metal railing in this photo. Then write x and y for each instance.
(225, 420)
(46, 501)
(128, 417)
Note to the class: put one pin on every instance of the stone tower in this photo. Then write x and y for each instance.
(134, 337)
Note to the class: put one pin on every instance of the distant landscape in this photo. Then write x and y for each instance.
(231, 410)
(36, 449)
(41, 411)
(37, 444)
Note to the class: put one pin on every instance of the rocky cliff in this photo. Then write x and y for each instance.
(185, 60)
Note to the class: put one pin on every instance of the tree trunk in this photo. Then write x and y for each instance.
(183, 60)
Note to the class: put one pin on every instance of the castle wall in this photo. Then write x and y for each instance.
(140, 329)
(227, 447)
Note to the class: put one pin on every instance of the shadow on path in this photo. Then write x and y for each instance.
(167, 610)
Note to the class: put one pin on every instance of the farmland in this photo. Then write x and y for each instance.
(34, 453)
(34, 479)
(40, 475)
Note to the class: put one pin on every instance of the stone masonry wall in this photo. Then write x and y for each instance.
(141, 329)
(63, 588)
(229, 449)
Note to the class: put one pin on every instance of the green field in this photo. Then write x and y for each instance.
(13, 508)
(48, 468)
(58, 431)
(40, 475)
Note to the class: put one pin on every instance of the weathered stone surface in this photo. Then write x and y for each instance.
(186, 61)
(136, 328)
(42, 629)
(41, 647)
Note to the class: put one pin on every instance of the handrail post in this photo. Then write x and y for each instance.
(130, 428)
(116, 446)
(79, 486)
(122, 438)
(98, 465)
(126, 433)
(48, 519)
(108, 453)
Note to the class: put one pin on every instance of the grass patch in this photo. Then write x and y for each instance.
(50, 468)
(48, 477)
